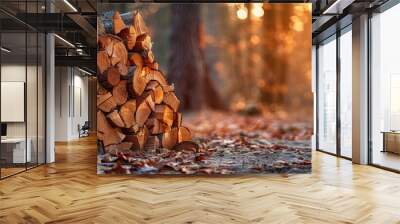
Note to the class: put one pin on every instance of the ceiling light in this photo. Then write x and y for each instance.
(70, 5)
(84, 71)
(64, 40)
(337, 7)
(5, 50)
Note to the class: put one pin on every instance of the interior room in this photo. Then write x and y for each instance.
(23, 94)
(57, 167)
(385, 123)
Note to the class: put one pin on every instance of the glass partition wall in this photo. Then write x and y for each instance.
(327, 95)
(334, 94)
(385, 89)
(22, 77)
(345, 93)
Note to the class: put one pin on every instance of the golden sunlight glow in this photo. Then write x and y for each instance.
(255, 39)
(257, 10)
(242, 12)
(296, 24)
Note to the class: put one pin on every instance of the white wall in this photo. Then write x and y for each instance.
(70, 83)
(34, 125)
(12, 73)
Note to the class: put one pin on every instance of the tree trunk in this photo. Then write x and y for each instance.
(187, 65)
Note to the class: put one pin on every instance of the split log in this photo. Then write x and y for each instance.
(184, 134)
(158, 95)
(152, 85)
(165, 114)
(148, 57)
(150, 124)
(102, 98)
(155, 126)
(100, 89)
(108, 134)
(120, 93)
(155, 75)
(103, 42)
(118, 22)
(171, 100)
(139, 81)
(108, 105)
(127, 112)
(143, 43)
(129, 36)
(170, 138)
(116, 119)
(122, 68)
(120, 54)
(138, 140)
(103, 62)
(136, 59)
(109, 78)
(142, 113)
(110, 47)
(168, 88)
(157, 91)
(153, 65)
(139, 24)
(177, 120)
(145, 75)
(150, 100)
(134, 129)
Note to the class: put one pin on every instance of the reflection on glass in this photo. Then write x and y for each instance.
(386, 89)
(13, 84)
(346, 94)
(22, 91)
(31, 97)
(327, 96)
(41, 99)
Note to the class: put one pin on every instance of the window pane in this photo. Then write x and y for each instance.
(346, 94)
(41, 98)
(327, 97)
(13, 85)
(31, 97)
(386, 89)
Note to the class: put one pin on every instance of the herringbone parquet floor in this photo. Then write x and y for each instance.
(69, 191)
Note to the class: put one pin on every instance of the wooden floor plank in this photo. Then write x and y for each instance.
(69, 191)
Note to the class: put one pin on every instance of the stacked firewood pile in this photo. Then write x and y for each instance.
(137, 108)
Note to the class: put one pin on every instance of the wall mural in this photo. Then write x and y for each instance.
(204, 88)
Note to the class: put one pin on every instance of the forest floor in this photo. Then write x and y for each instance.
(228, 143)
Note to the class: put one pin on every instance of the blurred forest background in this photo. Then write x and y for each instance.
(252, 57)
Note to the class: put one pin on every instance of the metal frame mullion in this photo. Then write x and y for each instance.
(369, 97)
(0, 94)
(338, 80)
(37, 91)
(317, 97)
(26, 87)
